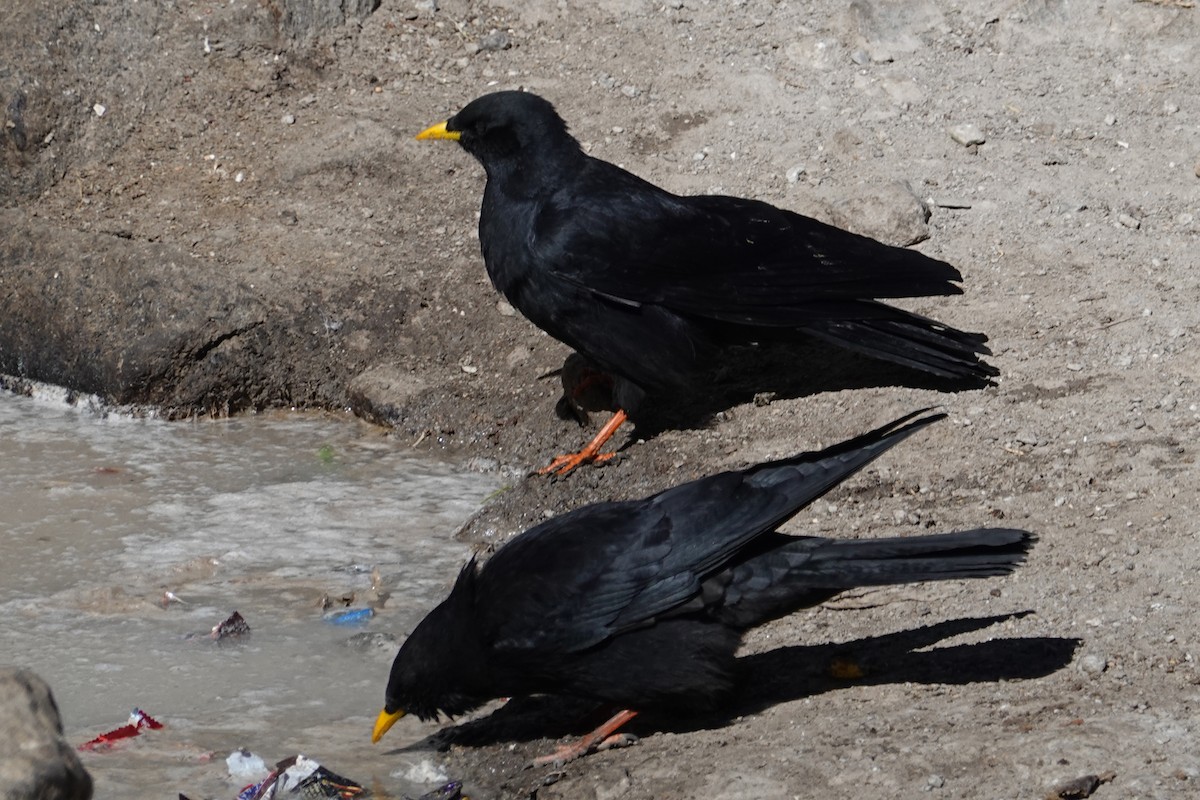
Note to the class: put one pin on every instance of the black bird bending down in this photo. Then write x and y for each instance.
(648, 285)
(642, 604)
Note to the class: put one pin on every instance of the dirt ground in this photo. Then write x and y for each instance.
(274, 168)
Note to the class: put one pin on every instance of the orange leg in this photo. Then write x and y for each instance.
(564, 464)
(603, 737)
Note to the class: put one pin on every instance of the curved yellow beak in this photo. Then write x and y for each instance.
(439, 132)
(384, 722)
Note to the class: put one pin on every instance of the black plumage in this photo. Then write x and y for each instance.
(643, 603)
(649, 285)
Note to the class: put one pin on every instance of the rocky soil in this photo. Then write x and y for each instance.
(212, 207)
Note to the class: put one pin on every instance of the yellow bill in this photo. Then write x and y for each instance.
(439, 132)
(384, 722)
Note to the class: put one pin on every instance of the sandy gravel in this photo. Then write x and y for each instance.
(1076, 224)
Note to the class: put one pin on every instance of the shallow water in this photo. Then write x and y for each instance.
(100, 514)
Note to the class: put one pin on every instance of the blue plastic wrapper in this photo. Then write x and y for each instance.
(353, 616)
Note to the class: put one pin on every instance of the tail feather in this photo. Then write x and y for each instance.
(915, 342)
(978, 553)
(786, 573)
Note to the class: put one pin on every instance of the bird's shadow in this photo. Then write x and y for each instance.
(786, 674)
(740, 374)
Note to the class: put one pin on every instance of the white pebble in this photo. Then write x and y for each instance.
(966, 134)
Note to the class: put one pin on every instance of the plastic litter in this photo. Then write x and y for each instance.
(300, 776)
(138, 721)
(449, 791)
(233, 625)
(353, 616)
(246, 766)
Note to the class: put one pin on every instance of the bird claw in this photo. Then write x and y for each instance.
(566, 464)
(617, 741)
(567, 753)
(563, 465)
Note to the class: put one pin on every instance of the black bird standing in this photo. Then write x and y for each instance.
(642, 604)
(648, 285)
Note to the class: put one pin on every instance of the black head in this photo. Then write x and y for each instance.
(507, 128)
(440, 668)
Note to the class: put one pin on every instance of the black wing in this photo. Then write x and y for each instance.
(580, 578)
(722, 258)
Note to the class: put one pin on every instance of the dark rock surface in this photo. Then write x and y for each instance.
(36, 762)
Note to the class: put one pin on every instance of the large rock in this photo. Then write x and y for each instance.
(303, 18)
(891, 213)
(35, 760)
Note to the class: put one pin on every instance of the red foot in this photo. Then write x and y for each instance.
(590, 454)
(603, 738)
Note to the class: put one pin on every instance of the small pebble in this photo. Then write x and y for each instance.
(1077, 788)
(794, 173)
(99, 109)
(1093, 664)
(289, 119)
(1110, 119)
(495, 41)
(934, 782)
(1128, 221)
(966, 134)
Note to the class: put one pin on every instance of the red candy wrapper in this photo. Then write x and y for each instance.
(138, 721)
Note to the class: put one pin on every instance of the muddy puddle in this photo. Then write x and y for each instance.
(284, 518)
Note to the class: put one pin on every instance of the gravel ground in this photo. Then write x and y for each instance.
(1056, 148)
